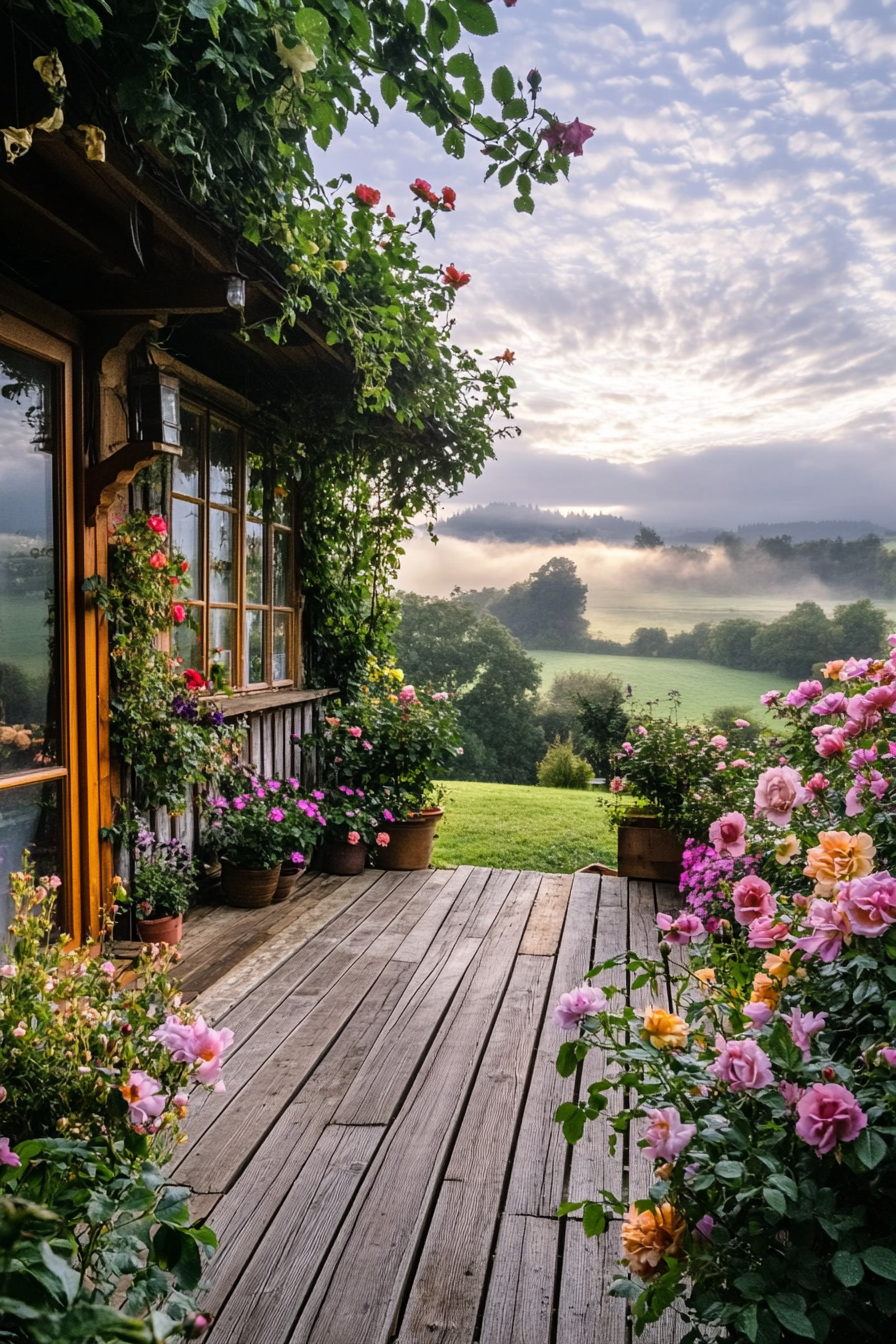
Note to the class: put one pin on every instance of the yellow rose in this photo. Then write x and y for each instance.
(778, 964)
(667, 1031)
(649, 1237)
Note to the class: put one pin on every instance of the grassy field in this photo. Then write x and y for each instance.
(517, 826)
(703, 687)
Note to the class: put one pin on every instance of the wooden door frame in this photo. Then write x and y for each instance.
(22, 335)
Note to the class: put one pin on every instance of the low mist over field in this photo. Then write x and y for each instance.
(627, 588)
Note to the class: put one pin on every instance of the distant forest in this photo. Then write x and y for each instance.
(547, 611)
(863, 564)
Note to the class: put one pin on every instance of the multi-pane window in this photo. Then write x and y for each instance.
(233, 521)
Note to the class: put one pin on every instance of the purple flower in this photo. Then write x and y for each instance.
(704, 1226)
(803, 1026)
(276, 814)
(584, 1001)
(239, 803)
(296, 857)
(568, 137)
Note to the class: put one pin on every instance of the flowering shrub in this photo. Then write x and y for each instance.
(767, 1100)
(164, 877)
(707, 877)
(356, 816)
(159, 725)
(94, 1079)
(391, 742)
(257, 823)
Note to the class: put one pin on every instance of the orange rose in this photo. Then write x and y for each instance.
(667, 1031)
(778, 964)
(765, 991)
(706, 975)
(832, 670)
(837, 858)
(649, 1238)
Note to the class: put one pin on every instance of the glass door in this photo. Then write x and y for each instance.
(33, 765)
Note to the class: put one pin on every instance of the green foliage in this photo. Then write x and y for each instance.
(522, 827)
(84, 1204)
(561, 768)
(164, 877)
(575, 693)
(547, 611)
(731, 643)
(793, 643)
(604, 720)
(450, 644)
(167, 738)
(649, 641)
(390, 742)
(725, 718)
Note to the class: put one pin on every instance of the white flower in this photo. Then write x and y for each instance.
(300, 59)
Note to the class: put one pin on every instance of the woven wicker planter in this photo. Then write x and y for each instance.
(410, 844)
(248, 888)
(286, 884)
(343, 859)
(166, 929)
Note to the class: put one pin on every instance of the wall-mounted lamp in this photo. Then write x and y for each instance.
(236, 291)
(154, 399)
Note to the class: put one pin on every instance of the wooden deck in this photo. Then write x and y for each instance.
(384, 1164)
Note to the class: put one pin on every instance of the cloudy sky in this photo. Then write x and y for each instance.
(704, 315)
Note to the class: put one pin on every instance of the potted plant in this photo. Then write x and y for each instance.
(164, 880)
(248, 833)
(302, 828)
(394, 744)
(356, 822)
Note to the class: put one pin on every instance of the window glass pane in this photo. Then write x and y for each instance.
(28, 679)
(280, 667)
(186, 536)
(221, 569)
(254, 562)
(254, 484)
(281, 568)
(187, 468)
(254, 646)
(280, 511)
(29, 819)
(221, 633)
(188, 642)
(222, 457)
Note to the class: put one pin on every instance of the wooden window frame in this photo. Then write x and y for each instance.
(21, 335)
(207, 410)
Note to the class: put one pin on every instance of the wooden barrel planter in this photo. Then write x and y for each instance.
(410, 842)
(248, 888)
(648, 851)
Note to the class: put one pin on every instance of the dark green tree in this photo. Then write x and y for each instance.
(692, 643)
(731, 643)
(547, 611)
(559, 709)
(452, 645)
(647, 539)
(792, 644)
(860, 630)
(604, 723)
(649, 641)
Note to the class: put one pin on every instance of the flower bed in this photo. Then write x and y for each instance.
(767, 1099)
(94, 1081)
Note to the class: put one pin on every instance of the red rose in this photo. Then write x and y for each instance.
(195, 680)
(367, 195)
(390, 212)
(179, 612)
(449, 196)
(158, 524)
(158, 559)
(454, 278)
(421, 189)
(184, 566)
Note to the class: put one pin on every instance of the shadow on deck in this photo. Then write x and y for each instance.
(384, 1164)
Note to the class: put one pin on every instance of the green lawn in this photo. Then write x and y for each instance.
(703, 687)
(518, 826)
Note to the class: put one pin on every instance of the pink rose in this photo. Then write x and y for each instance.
(719, 742)
(682, 929)
(741, 723)
(806, 691)
(778, 792)
(829, 1114)
(666, 1134)
(765, 933)
(407, 694)
(617, 784)
(157, 524)
(642, 731)
(107, 968)
(9, 971)
(178, 612)
(832, 743)
(770, 697)
(830, 926)
(817, 784)
(888, 1055)
(353, 837)
(726, 835)
(742, 1065)
(583, 1001)
(195, 1043)
(354, 732)
(758, 1013)
(803, 1026)
(834, 703)
(791, 1092)
(7, 1157)
(144, 1097)
(752, 898)
(158, 559)
(383, 839)
(869, 903)
(627, 748)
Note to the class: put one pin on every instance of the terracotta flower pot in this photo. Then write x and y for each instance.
(410, 842)
(165, 929)
(648, 851)
(289, 876)
(343, 859)
(248, 888)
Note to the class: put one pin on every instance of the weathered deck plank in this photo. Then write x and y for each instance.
(385, 1167)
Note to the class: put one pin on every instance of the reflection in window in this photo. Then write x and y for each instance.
(254, 647)
(221, 639)
(280, 646)
(221, 569)
(254, 562)
(29, 819)
(223, 447)
(29, 706)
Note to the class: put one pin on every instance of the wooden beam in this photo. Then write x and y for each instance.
(111, 297)
(103, 481)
